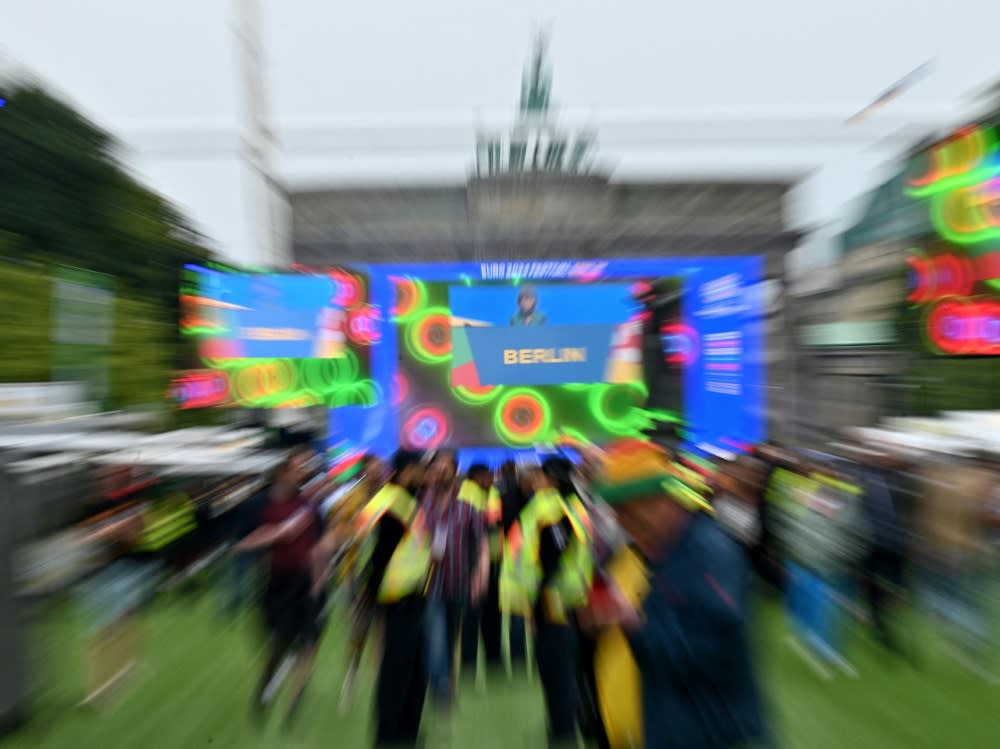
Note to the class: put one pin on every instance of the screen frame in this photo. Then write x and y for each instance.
(704, 413)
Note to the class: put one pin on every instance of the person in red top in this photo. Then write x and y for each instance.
(289, 532)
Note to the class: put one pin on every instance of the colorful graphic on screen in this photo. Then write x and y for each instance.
(442, 401)
(551, 334)
(278, 341)
(270, 316)
(699, 319)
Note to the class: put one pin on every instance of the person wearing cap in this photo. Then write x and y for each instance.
(528, 314)
(677, 618)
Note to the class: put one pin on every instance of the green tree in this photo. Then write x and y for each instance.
(66, 200)
(25, 294)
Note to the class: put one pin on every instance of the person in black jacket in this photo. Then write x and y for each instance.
(689, 636)
(240, 569)
(884, 563)
(402, 681)
(557, 642)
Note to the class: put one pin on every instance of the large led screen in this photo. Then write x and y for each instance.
(593, 396)
(277, 340)
(709, 342)
(288, 316)
(544, 334)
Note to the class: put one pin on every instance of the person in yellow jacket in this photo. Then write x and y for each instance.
(398, 568)
(545, 575)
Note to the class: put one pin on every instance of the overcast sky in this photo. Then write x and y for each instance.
(374, 91)
(139, 61)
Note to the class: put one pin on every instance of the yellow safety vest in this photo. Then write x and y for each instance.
(167, 520)
(521, 569)
(781, 488)
(390, 497)
(385, 498)
(349, 516)
(472, 493)
(619, 683)
(841, 486)
(494, 523)
(409, 568)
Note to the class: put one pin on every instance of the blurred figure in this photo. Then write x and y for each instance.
(992, 519)
(608, 541)
(955, 553)
(113, 595)
(482, 617)
(736, 503)
(240, 570)
(344, 523)
(331, 333)
(546, 573)
(766, 554)
(528, 313)
(442, 469)
(398, 567)
(512, 500)
(289, 532)
(135, 528)
(460, 568)
(683, 609)
(885, 563)
(823, 535)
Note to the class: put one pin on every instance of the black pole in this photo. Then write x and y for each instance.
(13, 675)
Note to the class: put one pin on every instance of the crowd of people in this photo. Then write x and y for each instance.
(626, 571)
(868, 530)
(633, 598)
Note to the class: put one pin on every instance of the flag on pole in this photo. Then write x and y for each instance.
(907, 81)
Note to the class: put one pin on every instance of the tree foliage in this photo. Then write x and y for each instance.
(65, 199)
(25, 296)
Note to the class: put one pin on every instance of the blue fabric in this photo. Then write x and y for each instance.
(699, 687)
(957, 598)
(117, 591)
(239, 574)
(814, 611)
(442, 620)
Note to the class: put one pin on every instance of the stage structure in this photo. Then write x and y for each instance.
(490, 357)
(539, 198)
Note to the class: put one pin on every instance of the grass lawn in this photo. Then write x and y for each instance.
(199, 671)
